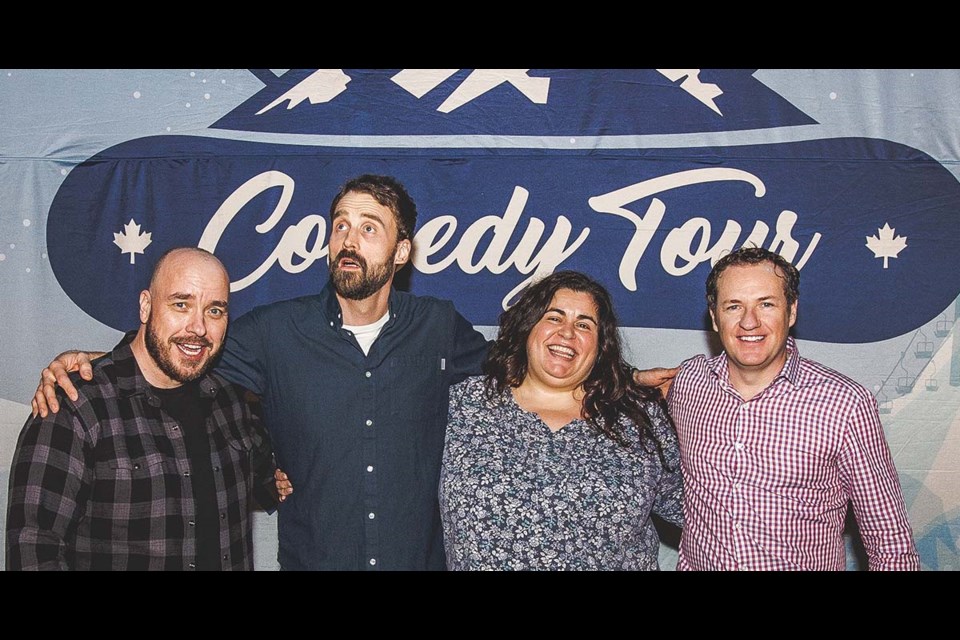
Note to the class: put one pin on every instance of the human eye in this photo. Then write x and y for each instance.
(584, 326)
(217, 312)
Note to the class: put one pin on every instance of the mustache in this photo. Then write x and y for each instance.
(353, 255)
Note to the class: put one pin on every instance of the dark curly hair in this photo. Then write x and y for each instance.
(390, 193)
(751, 256)
(609, 390)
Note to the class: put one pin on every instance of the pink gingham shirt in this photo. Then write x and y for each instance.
(767, 481)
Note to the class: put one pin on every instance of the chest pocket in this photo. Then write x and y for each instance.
(416, 387)
(136, 485)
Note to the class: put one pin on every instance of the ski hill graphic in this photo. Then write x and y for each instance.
(578, 102)
(869, 222)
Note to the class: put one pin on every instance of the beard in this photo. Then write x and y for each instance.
(357, 286)
(162, 355)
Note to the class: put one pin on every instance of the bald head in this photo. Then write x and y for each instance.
(181, 257)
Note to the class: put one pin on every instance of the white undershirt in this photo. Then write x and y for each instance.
(367, 333)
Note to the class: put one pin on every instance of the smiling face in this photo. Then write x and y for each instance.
(562, 346)
(753, 320)
(364, 251)
(184, 319)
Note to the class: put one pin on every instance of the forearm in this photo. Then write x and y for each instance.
(47, 479)
(876, 496)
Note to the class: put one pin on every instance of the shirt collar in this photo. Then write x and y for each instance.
(720, 366)
(334, 314)
(130, 380)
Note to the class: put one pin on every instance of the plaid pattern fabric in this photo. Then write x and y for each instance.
(768, 481)
(105, 483)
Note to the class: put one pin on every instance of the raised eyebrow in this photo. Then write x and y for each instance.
(339, 213)
(374, 217)
(219, 303)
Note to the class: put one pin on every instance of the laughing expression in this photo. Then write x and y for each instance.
(562, 346)
(185, 319)
(753, 320)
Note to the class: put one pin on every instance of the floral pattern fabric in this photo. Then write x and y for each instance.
(515, 495)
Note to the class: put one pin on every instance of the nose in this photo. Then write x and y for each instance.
(351, 238)
(750, 320)
(566, 330)
(197, 323)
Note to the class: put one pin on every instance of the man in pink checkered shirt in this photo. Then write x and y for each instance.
(775, 446)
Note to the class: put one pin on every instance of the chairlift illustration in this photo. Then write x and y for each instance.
(924, 349)
(943, 328)
(932, 384)
(905, 382)
(883, 405)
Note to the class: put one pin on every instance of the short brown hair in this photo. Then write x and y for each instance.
(751, 256)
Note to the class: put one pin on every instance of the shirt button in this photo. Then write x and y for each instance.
(226, 557)
(738, 445)
(176, 427)
(192, 565)
(223, 516)
(186, 474)
(331, 323)
(371, 515)
(736, 486)
(736, 526)
(368, 374)
(216, 468)
(136, 467)
(192, 523)
(370, 468)
(369, 422)
(373, 561)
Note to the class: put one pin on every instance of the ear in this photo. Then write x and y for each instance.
(144, 306)
(402, 254)
(793, 313)
(713, 320)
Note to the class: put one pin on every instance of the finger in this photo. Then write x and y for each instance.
(86, 371)
(63, 379)
(34, 409)
(47, 399)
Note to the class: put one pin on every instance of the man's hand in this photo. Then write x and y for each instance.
(45, 399)
(284, 486)
(659, 377)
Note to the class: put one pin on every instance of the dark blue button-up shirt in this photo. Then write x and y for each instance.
(361, 436)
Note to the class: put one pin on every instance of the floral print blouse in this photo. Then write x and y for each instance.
(516, 496)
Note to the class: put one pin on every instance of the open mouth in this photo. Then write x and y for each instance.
(561, 351)
(349, 261)
(752, 339)
(191, 349)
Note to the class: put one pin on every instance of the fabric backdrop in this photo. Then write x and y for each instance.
(640, 177)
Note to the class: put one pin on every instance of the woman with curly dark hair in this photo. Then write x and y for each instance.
(555, 459)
